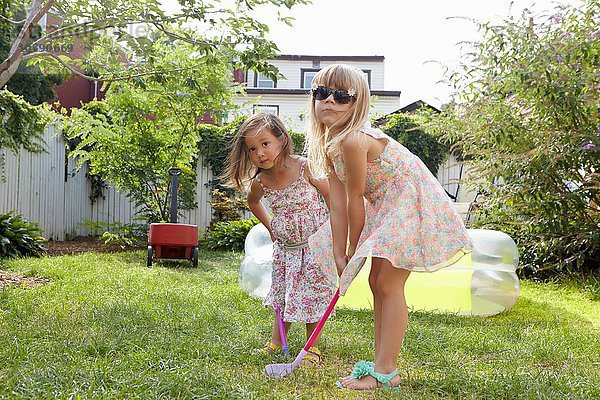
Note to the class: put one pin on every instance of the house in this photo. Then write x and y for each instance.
(288, 98)
(407, 109)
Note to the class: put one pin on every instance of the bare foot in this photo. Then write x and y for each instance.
(364, 383)
(367, 382)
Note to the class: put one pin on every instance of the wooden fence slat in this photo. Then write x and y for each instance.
(36, 186)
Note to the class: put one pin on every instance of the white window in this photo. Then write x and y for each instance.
(266, 108)
(308, 77)
(264, 81)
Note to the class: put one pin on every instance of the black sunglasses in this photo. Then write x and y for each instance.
(341, 96)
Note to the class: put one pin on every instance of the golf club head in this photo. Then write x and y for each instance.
(278, 370)
(281, 370)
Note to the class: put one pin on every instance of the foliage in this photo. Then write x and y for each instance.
(21, 125)
(226, 207)
(298, 138)
(527, 117)
(111, 31)
(410, 132)
(215, 145)
(229, 235)
(125, 235)
(29, 82)
(18, 237)
(146, 126)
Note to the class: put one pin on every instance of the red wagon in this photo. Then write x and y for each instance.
(173, 240)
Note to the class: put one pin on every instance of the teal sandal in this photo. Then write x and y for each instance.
(385, 379)
(364, 368)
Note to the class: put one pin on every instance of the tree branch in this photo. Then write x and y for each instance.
(174, 35)
(10, 21)
(103, 79)
(9, 66)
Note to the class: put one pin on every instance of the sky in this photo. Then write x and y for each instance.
(417, 38)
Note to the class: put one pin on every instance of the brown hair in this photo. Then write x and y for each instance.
(240, 170)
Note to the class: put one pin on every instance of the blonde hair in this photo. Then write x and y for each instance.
(239, 169)
(322, 143)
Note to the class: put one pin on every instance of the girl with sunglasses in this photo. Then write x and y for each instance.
(384, 204)
(261, 160)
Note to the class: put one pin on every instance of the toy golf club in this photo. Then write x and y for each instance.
(282, 334)
(281, 370)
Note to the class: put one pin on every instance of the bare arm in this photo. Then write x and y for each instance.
(339, 221)
(257, 208)
(322, 185)
(354, 152)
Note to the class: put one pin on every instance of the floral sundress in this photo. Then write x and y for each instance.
(409, 218)
(300, 287)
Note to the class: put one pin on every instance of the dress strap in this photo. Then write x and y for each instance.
(259, 181)
(302, 166)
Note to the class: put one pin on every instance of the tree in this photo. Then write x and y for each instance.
(21, 125)
(117, 37)
(148, 124)
(29, 82)
(411, 132)
(112, 31)
(527, 116)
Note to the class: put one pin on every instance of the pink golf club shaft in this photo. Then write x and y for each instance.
(281, 370)
(322, 321)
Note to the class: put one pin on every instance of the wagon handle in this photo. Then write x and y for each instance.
(174, 188)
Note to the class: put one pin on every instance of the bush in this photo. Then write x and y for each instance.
(117, 233)
(230, 235)
(407, 130)
(19, 238)
(527, 118)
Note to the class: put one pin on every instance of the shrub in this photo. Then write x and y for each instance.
(226, 206)
(230, 235)
(527, 117)
(117, 233)
(18, 237)
(407, 130)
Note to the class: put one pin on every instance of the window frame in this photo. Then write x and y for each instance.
(256, 82)
(256, 108)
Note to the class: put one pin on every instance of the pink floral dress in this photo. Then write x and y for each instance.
(409, 218)
(300, 287)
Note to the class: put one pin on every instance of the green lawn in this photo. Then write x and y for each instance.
(108, 327)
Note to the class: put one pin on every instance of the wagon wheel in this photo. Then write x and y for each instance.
(195, 257)
(149, 262)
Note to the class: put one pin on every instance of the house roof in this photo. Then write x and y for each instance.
(304, 92)
(408, 109)
(415, 106)
(300, 57)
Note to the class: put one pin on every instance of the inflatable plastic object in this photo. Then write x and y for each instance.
(255, 271)
(255, 276)
(258, 241)
(481, 283)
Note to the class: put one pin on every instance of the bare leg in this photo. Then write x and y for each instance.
(373, 275)
(310, 328)
(393, 321)
(276, 337)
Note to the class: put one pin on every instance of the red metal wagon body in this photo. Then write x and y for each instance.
(173, 240)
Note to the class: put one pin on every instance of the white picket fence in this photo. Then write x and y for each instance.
(48, 189)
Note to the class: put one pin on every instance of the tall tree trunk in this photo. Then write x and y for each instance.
(9, 66)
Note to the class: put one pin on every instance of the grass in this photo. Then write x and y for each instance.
(108, 327)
